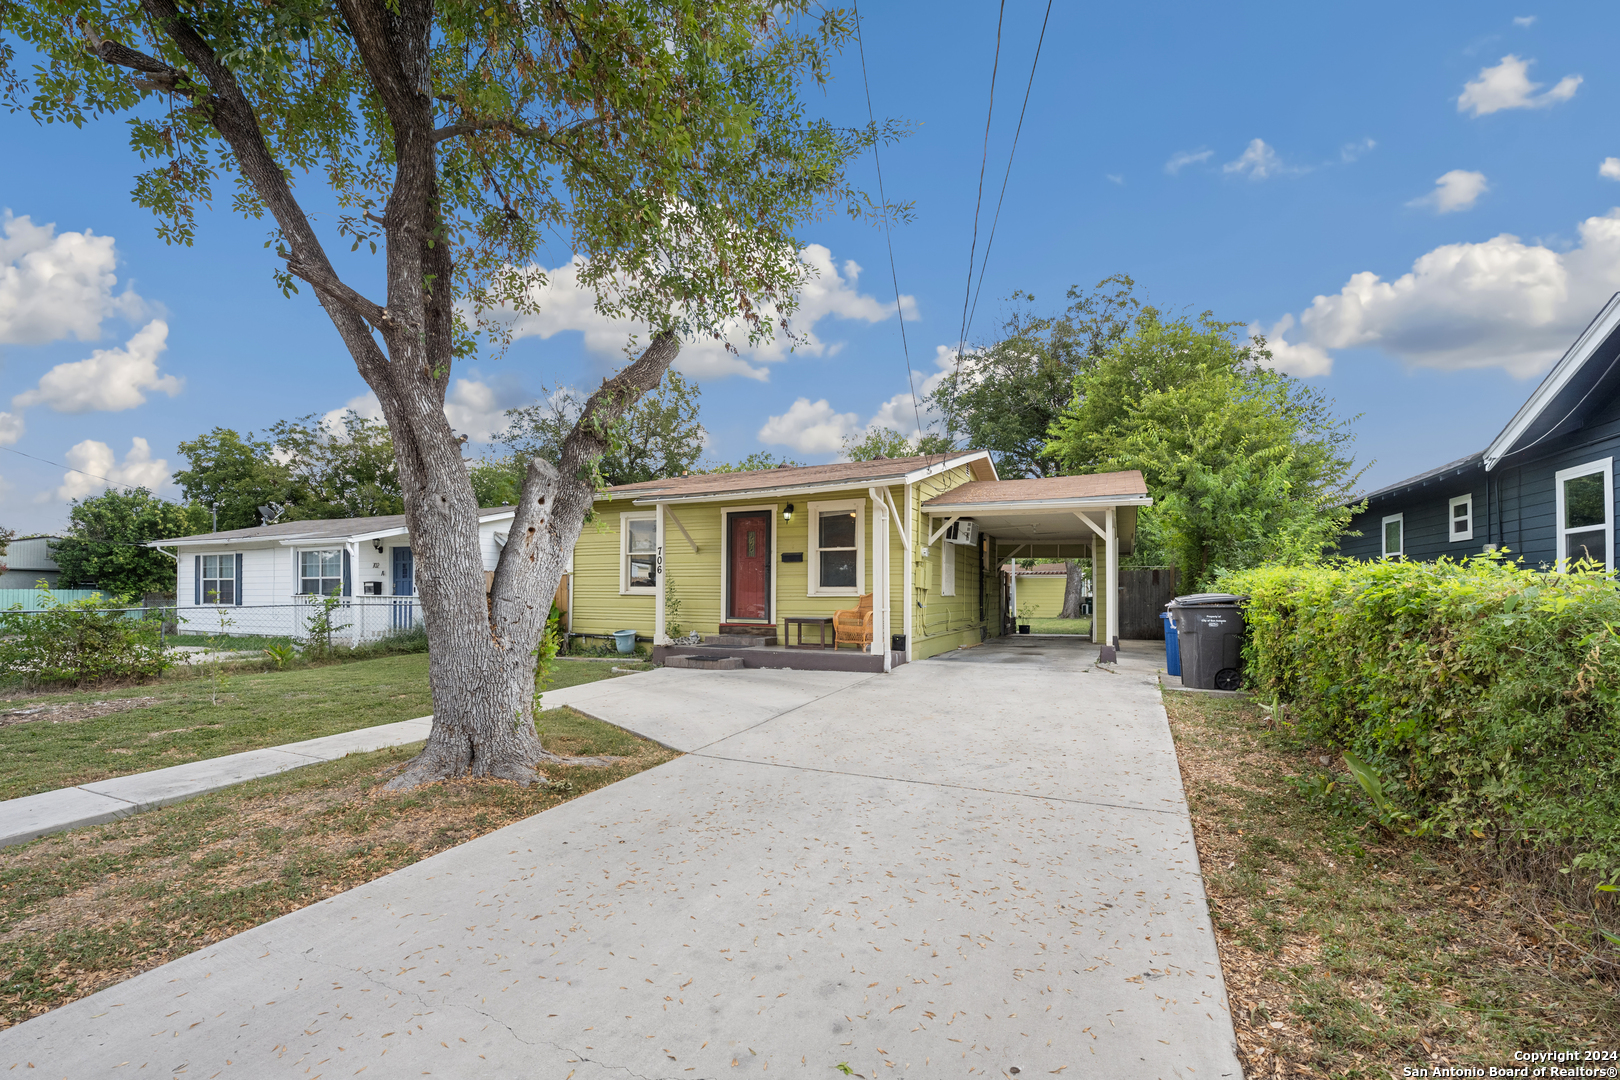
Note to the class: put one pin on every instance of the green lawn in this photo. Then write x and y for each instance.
(89, 908)
(188, 721)
(1058, 626)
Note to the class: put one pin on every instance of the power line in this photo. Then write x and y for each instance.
(997, 219)
(973, 249)
(911, 383)
(69, 468)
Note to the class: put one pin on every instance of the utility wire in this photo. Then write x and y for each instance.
(997, 219)
(973, 249)
(911, 384)
(69, 468)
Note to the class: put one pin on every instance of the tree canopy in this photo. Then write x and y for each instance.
(1246, 465)
(1005, 397)
(882, 442)
(105, 541)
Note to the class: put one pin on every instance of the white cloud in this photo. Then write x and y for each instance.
(55, 286)
(365, 404)
(111, 380)
(1351, 151)
(810, 427)
(1610, 169)
(1508, 86)
(1115, 178)
(1524, 20)
(1303, 360)
(1182, 158)
(1499, 303)
(475, 407)
(11, 428)
(1456, 190)
(832, 290)
(95, 464)
(1258, 161)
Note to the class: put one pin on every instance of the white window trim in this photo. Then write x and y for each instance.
(298, 568)
(1451, 519)
(773, 511)
(1383, 535)
(814, 509)
(1606, 467)
(947, 568)
(235, 600)
(625, 588)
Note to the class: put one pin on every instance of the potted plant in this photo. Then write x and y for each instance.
(1026, 612)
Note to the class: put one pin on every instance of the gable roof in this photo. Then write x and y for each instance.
(320, 529)
(1569, 393)
(840, 474)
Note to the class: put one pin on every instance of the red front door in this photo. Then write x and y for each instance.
(750, 570)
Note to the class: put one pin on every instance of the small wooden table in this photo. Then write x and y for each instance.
(822, 625)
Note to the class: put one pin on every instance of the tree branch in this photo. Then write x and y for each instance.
(327, 283)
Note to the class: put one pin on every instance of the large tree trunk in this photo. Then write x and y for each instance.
(480, 655)
(1072, 585)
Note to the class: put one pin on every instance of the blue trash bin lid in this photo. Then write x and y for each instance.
(1203, 598)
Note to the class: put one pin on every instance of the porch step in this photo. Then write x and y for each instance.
(705, 663)
(739, 641)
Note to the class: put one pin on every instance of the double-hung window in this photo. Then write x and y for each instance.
(1394, 536)
(638, 552)
(1586, 514)
(320, 573)
(837, 535)
(1461, 516)
(218, 579)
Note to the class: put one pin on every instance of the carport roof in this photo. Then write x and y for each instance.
(1091, 490)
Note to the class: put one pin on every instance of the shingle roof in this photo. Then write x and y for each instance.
(851, 473)
(321, 529)
(1044, 570)
(1126, 484)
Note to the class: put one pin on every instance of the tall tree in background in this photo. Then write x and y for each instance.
(235, 475)
(663, 144)
(1246, 465)
(6, 536)
(757, 461)
(346, 469)
(106, 536)
(882, 442)
(660, 435)
(1005, 397)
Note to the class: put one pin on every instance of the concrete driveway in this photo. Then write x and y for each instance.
(979, 865)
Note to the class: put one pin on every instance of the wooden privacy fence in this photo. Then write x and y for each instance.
(1143, 592)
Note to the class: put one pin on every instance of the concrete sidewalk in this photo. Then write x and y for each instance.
(33, 816)
(985, 860)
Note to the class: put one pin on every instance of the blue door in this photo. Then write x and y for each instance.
(404, 614)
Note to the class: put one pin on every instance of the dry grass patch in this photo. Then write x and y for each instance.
(1350, 953)
(86, 909)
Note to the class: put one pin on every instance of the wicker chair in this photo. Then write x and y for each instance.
(854, 626)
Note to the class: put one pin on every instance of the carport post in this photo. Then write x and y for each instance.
(1111, 528)
(880, 576)
(659, 637)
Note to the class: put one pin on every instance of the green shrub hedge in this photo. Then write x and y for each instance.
(1485, 695)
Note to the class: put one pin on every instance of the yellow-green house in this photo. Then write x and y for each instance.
(757, 552)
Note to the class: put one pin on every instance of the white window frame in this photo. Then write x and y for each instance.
(814, 510)
(625, 588)
(947, 568)
(1451, 519)
(203, 581)
(1383, 535)
(1605, 466)
(298, 570)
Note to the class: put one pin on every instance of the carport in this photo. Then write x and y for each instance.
(1055, 517)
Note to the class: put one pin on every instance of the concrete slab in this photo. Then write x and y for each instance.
(724, 915)
(34, 816)
(162, 787)
(687, 710)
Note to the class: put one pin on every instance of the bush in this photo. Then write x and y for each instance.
(1484, 696)
(78, 642)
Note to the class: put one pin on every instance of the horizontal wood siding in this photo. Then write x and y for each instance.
(598, 606)
(1045, 592)
(940, 623)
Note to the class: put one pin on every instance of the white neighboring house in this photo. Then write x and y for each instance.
(28, 561)
(270, 579)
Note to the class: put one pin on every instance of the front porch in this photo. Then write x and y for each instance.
(782, 656)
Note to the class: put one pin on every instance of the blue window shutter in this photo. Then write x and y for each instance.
(238, 579)
(346, 572)
(196, 580)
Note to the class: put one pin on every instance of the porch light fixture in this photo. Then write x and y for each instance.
(787, 512)
(378, 545)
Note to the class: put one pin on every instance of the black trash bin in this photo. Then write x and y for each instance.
(1210, 628)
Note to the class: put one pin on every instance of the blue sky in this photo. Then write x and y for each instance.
(1280, 166)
